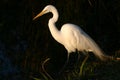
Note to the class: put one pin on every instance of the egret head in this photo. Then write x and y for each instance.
(47, 9)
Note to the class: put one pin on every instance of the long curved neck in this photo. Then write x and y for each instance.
(53, 29)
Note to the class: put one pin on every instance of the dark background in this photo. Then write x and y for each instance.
(25, 44)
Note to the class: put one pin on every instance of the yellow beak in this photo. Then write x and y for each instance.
(40, 14)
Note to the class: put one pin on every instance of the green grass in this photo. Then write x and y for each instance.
(90, 70)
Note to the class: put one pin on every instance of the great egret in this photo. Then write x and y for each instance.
(71, 36)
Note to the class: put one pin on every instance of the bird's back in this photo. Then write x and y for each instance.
(68, 32)
(75, 38)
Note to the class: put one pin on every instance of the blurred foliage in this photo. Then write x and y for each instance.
(25, 44)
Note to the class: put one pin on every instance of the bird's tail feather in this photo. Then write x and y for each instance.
(100, 53)
(96, 49)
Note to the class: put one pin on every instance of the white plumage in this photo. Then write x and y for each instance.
(71, 36)
(74, 38)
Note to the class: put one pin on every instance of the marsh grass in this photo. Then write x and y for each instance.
(91, 70)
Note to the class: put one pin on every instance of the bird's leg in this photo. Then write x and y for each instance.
(78, 58)
(79, 55)
(83, 63)
(64, 64)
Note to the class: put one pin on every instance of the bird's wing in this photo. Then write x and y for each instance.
(89, 44)
(76, 38)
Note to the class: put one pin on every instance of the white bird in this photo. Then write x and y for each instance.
(71, 36)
